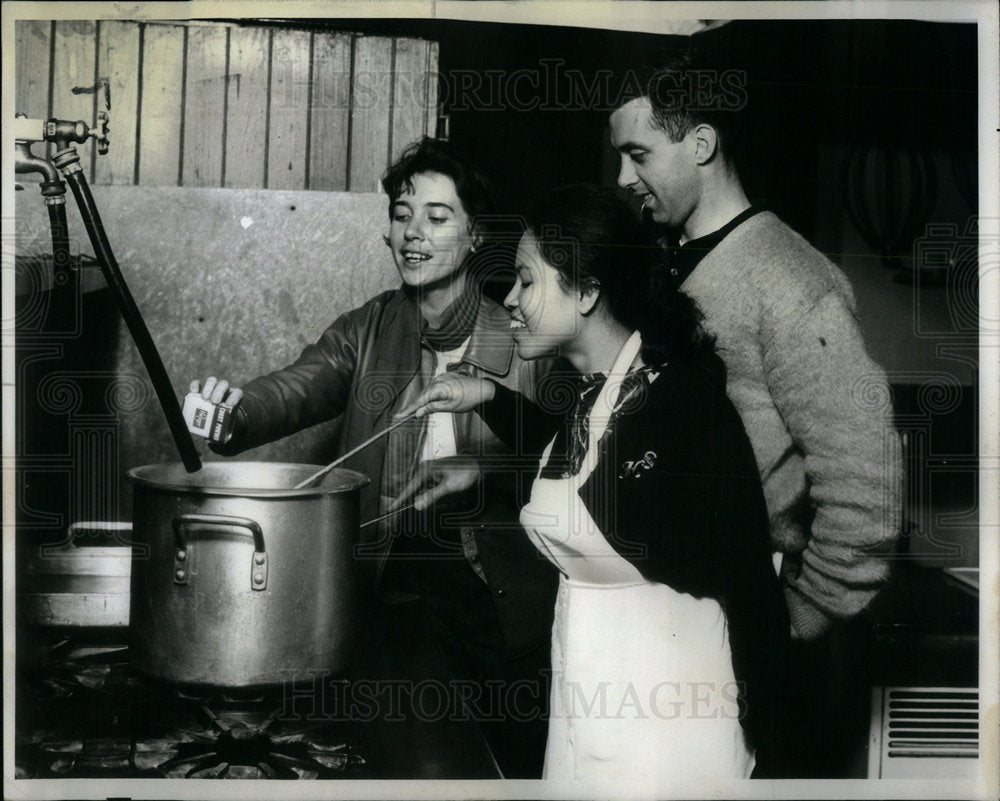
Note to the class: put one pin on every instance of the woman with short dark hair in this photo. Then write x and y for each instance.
(487, 597)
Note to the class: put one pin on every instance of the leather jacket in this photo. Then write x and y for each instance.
(362, 368)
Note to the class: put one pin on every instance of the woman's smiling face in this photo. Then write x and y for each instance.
(544, 314)
(429, 231)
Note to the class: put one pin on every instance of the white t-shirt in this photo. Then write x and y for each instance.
(440, 439)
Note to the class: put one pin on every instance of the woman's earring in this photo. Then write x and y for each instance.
(385, 239)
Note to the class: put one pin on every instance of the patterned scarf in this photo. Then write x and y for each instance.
(632, 389)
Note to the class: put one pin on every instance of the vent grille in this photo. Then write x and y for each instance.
(933, 722)
(918, 731)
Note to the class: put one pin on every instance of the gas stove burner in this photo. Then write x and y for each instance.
(107, 755)
(84, 713)
(235, 749)
(225, 698)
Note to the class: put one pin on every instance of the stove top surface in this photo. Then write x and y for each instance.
(83, 712)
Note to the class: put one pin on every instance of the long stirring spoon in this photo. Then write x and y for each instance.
(339, 460)
(387, 514)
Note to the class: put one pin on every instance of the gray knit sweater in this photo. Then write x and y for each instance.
(817, 410)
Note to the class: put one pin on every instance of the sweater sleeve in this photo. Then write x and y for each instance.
(835, 402)
(524, 426)
(311, 390)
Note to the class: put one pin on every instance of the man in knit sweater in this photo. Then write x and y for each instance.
(814, 404)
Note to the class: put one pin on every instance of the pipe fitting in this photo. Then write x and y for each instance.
(63, 132)
(54, 193)
(67, 160)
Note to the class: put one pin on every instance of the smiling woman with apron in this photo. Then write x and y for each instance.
(670, 630)
(628, 699)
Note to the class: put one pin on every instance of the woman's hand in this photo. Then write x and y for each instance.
(438, 478)
(218, 391)
(451, 392)
(215, 422)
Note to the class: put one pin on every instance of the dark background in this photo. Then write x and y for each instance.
(819, 94)
(809, 82)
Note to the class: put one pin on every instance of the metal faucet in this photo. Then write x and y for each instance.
(25, 161)
(62, 132)
(65, 132)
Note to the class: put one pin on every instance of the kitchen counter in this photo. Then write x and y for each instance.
(925, 630)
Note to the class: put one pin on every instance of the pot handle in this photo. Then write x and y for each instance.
(185, 524)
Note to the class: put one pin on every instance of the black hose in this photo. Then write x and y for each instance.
(133, 319)
(65, 280)
(62, 268)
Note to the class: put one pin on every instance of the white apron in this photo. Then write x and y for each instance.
(643, 689)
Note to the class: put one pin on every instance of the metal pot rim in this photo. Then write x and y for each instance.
(336, 481)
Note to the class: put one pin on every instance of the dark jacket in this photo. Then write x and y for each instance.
(677, 493)
(363, 368)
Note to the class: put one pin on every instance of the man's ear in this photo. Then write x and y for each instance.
(590, 293)
(705, 140)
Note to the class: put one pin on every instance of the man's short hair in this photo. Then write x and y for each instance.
(687, 88)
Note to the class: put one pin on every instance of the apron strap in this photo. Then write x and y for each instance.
(600, 414)
(545, 457)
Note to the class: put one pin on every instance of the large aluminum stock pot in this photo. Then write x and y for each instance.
(239, 580)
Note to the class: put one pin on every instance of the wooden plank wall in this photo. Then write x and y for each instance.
(32, 69)
(221, 105)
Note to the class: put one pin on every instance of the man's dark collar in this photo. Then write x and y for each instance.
(684, 258)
